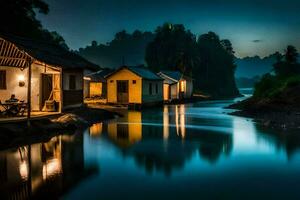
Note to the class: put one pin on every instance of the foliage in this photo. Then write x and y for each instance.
(18, 17)
(173, 48)
(291, 54)
(215, 72)
(287, 65)
(208, 59)
(125, 48)
(287, 74)
(270, 85)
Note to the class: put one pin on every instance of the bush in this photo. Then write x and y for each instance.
(264, 86)
(272, 86)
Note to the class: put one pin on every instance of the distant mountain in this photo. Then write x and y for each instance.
(244, 82)
(249, 67)
(128, 49)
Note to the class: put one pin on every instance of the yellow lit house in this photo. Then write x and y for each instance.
(176, 85)
(134, 85)
(95, 84)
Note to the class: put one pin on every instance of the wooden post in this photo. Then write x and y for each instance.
(29, 62)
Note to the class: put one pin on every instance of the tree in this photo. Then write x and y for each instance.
(227, 46)
(18, 17)
(128, 46)
(173, 48)
(289, 65)
(94, 43)
(291, 54)
(216, 69)
(208, 59)
(123, 35)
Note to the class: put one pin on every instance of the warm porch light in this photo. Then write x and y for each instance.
(21, 79)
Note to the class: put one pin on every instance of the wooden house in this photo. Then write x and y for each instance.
(176, 85)
(95, 85)
(134, 85)
(36, 72)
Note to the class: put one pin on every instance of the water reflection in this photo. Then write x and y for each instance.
(161, 141)
(42, 170)
(194, 147)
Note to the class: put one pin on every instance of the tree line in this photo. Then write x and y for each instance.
(207, 58)
(124, 49)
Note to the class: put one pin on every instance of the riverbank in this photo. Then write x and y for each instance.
(281, 111)
(12, 134)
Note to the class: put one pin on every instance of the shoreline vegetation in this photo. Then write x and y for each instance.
(276, 99)
(43, 129)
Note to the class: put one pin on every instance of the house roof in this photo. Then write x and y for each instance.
(172, 76)
(176, 75)
(143, 72)
(50, 53)
(100, 75)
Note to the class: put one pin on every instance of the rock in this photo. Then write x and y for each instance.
(70, 121)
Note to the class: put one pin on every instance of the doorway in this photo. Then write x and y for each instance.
(122, 92)
(47, 87)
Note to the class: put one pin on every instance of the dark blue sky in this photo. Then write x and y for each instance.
(254, 26)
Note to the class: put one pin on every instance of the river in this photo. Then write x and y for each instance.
(188, 151)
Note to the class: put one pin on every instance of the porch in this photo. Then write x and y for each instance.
(25, 80)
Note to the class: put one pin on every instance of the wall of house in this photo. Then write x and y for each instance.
(14, 75)
(12, 84)
(86, 88)
(134, 89)
(166, 92)
(95, 89)
(155, 96)
(189, 89)
(72, 97)
(174, 91)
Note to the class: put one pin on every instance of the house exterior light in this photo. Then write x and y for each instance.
(21, 79)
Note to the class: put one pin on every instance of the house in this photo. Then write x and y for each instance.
(176, 85)
(37, 72)
(134, 85)
(95, 84)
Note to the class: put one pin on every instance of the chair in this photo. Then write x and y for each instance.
(22, 108)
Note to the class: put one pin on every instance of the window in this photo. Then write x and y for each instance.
(2, 80)
(150, 88)
(156, 88)
(72, 82)
(133, 81)
(111, 81)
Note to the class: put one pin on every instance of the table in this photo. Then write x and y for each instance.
(13, 108)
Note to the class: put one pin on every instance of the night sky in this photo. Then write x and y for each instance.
(255, 27)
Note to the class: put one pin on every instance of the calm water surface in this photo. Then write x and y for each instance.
(192, 151)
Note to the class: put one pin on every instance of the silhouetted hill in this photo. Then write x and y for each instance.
(125, 48)
(249, 67)
(245, 82)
